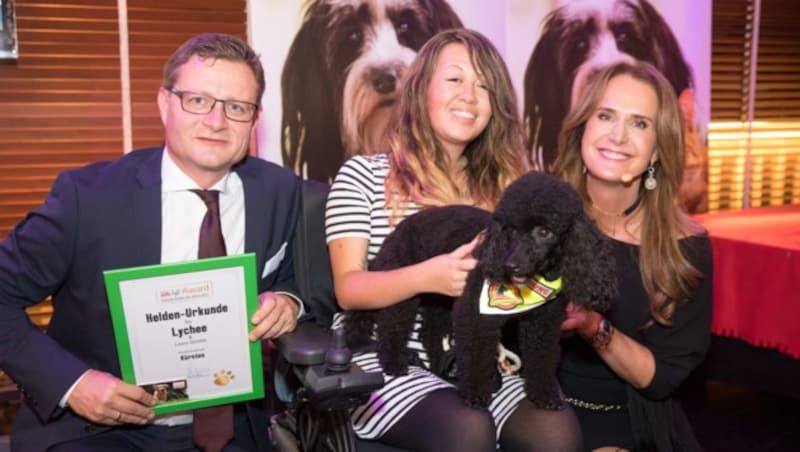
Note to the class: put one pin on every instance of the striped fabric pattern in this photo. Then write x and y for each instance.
(356, 208)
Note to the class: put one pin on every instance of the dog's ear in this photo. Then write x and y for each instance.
(442, 15)
(491, 252)
(588, 268)
(546, 96)
(310, 124)
(666, 52)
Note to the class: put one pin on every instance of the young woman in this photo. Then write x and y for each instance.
(456, 139)
(621, 147)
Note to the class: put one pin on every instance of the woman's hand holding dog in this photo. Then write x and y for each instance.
(581, 320)
(447, 273)
(629, 359)
(360, 288)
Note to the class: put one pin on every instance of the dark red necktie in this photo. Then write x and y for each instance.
(213, 427)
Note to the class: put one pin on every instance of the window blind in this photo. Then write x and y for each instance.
(59, 101)
(770, 174)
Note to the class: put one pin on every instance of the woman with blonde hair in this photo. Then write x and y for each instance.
(455, 139)
(621, 148)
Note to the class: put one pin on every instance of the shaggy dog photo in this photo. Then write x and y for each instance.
(342, 73)
(581, 37)
(537, 234)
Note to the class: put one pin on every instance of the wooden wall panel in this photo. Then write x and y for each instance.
(60, 102)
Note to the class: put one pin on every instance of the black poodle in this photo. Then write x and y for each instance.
(537, 234)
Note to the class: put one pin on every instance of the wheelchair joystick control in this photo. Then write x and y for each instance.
(337, 358)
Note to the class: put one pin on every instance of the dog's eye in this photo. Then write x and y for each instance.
(403, 27)
(542, 232)
(354, 36)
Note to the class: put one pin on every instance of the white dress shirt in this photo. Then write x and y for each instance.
(182, 212)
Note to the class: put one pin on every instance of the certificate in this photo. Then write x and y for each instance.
(181, 331)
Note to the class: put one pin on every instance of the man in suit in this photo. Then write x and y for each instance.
(140, 210)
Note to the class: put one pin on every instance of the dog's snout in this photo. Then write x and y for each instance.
(511, 268)
(383, 81)
(512, 265)
(511, 261)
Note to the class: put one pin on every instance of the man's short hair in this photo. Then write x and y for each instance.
(216, 46)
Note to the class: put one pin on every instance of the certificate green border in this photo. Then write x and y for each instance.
(113, 278)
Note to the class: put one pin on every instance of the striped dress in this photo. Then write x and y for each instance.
(356, 208)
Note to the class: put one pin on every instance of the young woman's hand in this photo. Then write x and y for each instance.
(447, 273)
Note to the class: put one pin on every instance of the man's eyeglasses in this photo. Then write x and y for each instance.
(200, 104)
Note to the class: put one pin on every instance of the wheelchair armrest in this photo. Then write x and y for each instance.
(305, 349)
(338, 390)
(306, 345)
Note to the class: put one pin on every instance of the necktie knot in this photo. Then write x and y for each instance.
(210, 197)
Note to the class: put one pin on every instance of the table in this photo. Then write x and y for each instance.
(756, 272)
(756, 319)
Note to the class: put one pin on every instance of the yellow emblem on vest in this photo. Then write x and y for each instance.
(503, 299)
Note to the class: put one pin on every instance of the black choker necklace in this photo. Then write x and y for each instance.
(625, 212)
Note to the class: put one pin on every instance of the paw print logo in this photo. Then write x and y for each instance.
(223, 377)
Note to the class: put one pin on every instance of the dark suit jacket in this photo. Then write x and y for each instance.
(99, 217)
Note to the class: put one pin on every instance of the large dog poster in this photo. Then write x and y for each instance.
(333, 67)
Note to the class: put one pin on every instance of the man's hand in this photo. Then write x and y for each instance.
(105, 399)
(277, 314)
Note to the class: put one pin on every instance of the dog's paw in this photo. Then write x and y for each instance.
(553, 404)
(394, 369)
(497, 381)
(478, 401)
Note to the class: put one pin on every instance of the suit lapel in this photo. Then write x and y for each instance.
(146, 208)
(255, 236)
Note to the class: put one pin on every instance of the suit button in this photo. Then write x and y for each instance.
(89, 428)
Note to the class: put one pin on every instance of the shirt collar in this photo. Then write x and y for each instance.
(174, 179)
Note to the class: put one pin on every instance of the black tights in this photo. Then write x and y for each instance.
(441, 423)
(532, 429)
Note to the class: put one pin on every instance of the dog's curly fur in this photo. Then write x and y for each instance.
(537, 228)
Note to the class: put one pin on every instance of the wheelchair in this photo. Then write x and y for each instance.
(314, 376)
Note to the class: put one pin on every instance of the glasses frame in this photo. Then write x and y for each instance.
(180, 94)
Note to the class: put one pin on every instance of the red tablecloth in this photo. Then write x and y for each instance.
(756, 272)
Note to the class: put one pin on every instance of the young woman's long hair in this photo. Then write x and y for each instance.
(419, 170)
(668, 277)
